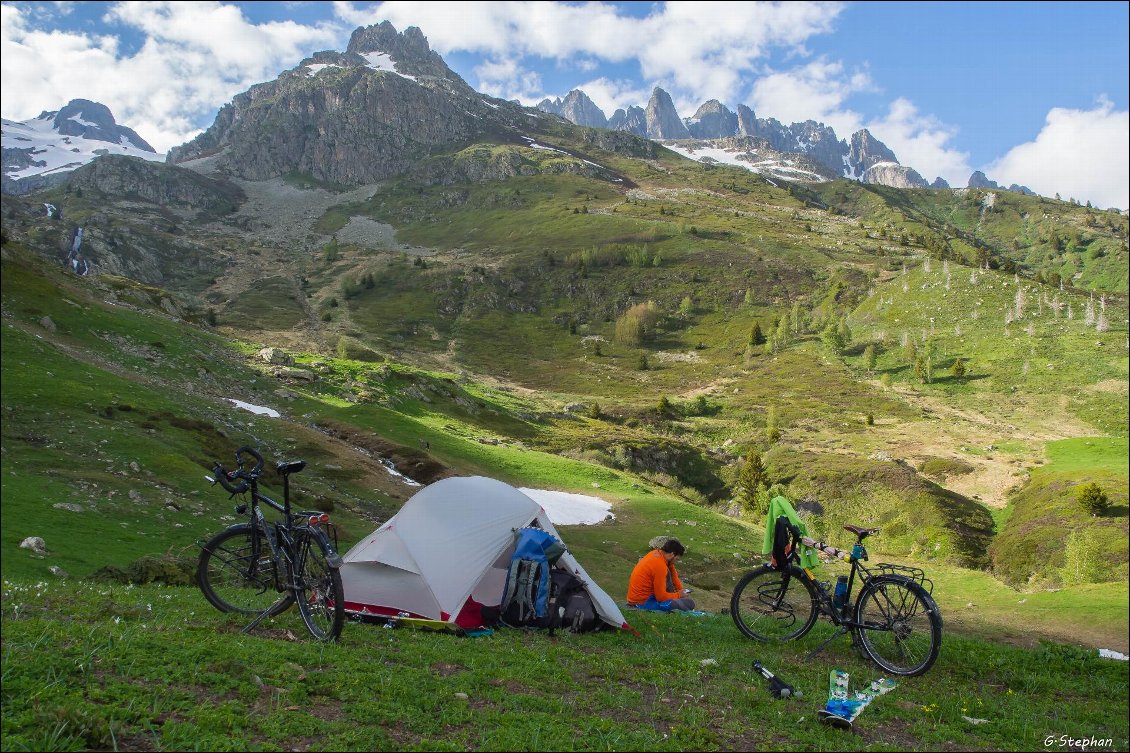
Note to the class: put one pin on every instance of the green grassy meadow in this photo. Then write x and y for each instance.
(154, 668)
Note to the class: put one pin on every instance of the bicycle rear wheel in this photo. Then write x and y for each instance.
(235, 572)
(317, 585)
(773, 605)
(902, 627)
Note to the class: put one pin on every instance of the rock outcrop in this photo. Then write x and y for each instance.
(576, 108)
(371, 113)
(632, 120)
(979, 180)
(747, 121)
(165, 185)
(663, 121)
(93, 120)
(894, 175)
(866, 151)
(713, 120)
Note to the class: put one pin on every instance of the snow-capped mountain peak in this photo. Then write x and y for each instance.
(41, 150)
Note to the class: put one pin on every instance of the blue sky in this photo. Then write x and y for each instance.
(1030, 93)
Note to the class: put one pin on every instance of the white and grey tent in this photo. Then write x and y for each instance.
(445, 555)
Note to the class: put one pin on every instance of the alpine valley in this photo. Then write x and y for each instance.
(681, 316)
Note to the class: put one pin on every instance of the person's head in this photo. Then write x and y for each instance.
(673, 547)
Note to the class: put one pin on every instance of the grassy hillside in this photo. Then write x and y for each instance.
(112, 450)
(1048, 537)
(522, 283)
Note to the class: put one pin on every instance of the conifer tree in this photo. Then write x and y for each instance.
(832, 339)
(958, 369)
(755, 335)
(845, 331)
(1092, 499)
(752, 479)
(797, 318)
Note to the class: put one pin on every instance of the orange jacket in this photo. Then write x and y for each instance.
(649, 578)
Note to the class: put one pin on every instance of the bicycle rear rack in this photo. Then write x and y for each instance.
(913, 573)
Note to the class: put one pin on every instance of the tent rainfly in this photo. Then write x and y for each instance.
(445, 555)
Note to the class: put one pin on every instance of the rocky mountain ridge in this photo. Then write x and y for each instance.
(861, 157)
(389, 105)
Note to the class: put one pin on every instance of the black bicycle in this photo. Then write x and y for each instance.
(894, 620)
(261, 568)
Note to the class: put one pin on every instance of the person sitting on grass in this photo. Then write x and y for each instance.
(654, 583)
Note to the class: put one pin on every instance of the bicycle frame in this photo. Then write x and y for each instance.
(858, 554)
(844, 617)
(281, 544)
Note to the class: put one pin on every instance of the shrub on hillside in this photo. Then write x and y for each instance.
(833, 340)
(756, 337)
(637, 324)
(941, 468)
(958, 369)
(1092, 499)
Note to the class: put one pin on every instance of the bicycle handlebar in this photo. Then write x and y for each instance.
(226, 477)
(258, 467)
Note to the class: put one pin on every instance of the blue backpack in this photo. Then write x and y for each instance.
(540, 595)
(525, 599)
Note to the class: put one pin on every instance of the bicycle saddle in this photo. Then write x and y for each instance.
(287, 467)
(862, 533)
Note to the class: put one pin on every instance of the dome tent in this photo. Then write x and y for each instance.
(445, 555)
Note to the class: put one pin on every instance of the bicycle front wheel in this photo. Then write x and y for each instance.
(317, 586)
(901, 625)
(235, 572)
(773, 605)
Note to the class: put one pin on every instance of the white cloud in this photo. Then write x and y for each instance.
(705, 49)
(1078, 153)
(506, 79)
(195, 57)
(552, 30)
(816, 91)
